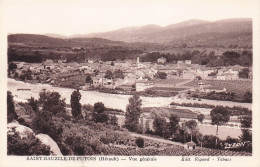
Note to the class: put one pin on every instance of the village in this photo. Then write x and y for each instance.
(126, 75)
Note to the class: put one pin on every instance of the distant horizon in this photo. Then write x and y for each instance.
(67, 17)
(137, 26)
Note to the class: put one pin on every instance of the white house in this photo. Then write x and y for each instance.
(161, 60)
(187, 61)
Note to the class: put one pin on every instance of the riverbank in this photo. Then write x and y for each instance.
(116, 101)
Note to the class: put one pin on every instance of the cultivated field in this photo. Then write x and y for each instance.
(237, 86)
(173, 150)
(166, 112)
(169, 81)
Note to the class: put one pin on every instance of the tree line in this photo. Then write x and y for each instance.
(211, 59)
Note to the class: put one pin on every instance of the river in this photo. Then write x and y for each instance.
(115, 101)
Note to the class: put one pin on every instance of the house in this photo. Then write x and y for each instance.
(221, 77)
(109, 83)
(97, 81)
(187, 61)
(180, 62)
(48, 64)
(90, 61)
(142, 85)
(201, 85)
(228, 75)
(161, 60)
(62, 61)
(190, 145)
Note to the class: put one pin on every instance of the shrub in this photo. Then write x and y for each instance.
(43, 123)
(139, 142)
(25, 146)
(209, 141)
(98, 114)
(11, 114)
(52, 102)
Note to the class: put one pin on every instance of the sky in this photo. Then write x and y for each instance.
(69, 17)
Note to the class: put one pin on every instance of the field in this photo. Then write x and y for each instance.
(171, 151)
(169, 81)
(237, 86)
(165, 112)
(167, 89)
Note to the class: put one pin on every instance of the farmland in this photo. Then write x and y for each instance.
(170, 81)
(171, 151)
(237, 86)
(165, 112)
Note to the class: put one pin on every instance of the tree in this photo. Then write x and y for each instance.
(139, 142)
(161, 127)
(11, 114)
(200, 117)
(119, 74)
(89, 79)
(191, 127)
(30, 145)
(133, 112)
(109, 74)
(52, 102)
(219, 116)
(113, 120)
(248, 97)
(243, 73)
(98, 113)
(34, 104)
(246, 124)
(161, 75)
(12, 66)
(75, 104)
(43, 123)
(174, 123)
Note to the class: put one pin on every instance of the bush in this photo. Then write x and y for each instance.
(11, 114)
(52, 102)
(113, 120)
(139, 142)
(98, 114)
(209, 141)
(161, 75)
(25, 146)
(43, 123)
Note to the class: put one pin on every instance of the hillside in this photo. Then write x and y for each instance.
(42, 40)
(193, 32)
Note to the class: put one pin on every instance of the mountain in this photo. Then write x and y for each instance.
(193, 32)
(47, 41)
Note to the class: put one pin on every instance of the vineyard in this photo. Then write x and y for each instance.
(170, 151)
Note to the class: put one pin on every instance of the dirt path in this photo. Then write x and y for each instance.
(156, 139)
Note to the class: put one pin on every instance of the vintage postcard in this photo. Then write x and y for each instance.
(129, 83)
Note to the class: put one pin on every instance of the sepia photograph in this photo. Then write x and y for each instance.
(125, 81)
